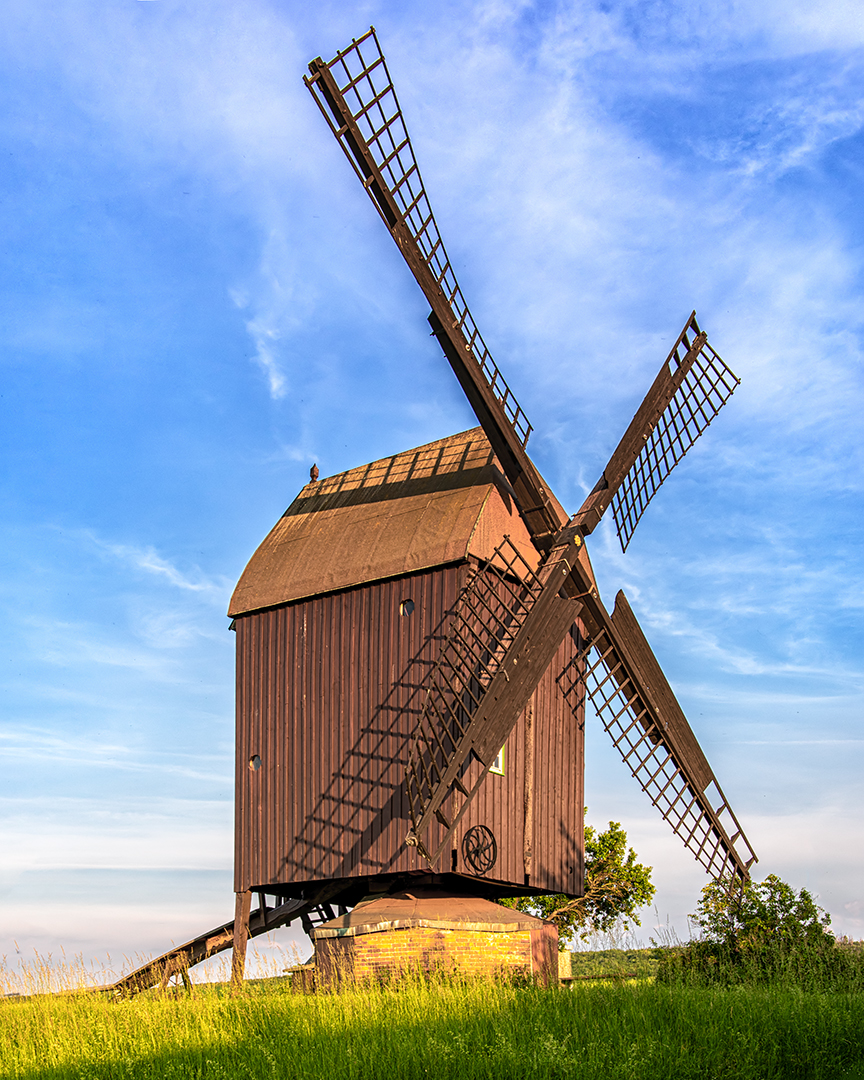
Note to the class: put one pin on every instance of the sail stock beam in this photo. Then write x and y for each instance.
(637, 707)
(355, 94)
(490, 686)
(690, 389)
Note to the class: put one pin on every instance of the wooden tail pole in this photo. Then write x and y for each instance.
(242, 910)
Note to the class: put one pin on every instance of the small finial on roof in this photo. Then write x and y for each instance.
(313, 472)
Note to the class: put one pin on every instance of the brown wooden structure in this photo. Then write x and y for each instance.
(406, 620)
(340, 616)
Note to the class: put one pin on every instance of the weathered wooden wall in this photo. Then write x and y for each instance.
(328, 693)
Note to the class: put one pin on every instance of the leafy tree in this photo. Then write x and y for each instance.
(761, 933)
(756, 914)
(616, 886)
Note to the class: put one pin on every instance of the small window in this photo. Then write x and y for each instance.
(406, 607)
(254, 763)
(497, 765)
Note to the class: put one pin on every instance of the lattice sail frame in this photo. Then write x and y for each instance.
(705, 389)
(492, 608)
(711, 833)
(355, 90)
(364, 82)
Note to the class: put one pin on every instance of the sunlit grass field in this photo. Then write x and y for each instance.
(444, 1028)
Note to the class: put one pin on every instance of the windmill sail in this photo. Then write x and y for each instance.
(691, 388)
(637, 707)
(510, 621)
(508, 625)
(356, 96)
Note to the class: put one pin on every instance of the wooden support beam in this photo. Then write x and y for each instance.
(528, 794)
(242, 909)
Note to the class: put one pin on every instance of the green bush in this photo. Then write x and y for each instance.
(751, 915)
(761, 933)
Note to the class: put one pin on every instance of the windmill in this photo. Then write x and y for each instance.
(414, 629)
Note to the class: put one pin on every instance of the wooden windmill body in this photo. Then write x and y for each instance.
(417, 638)
(341, 616)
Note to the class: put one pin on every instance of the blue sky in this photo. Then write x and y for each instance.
(198, 302)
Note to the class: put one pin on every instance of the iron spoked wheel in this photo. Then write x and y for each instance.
(480, 849)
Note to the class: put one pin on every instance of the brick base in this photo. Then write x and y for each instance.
(389, 953)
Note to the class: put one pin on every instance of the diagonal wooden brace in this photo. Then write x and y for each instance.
(509, 691)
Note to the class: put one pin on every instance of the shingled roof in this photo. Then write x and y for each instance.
(437, 504)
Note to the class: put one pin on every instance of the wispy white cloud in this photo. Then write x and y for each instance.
(272, 312)
(38, 745)
(802, 742)
(799, 28)
(151, 562)
(790, 134)
(80, 645)
(132, 833)
(147, 559)
(855, 914)
(797, 657)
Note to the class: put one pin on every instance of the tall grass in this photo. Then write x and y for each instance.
(47, 974)
(437, 1028)
(832, 967)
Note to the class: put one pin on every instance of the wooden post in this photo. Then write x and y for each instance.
(242, 909)
(528, 793)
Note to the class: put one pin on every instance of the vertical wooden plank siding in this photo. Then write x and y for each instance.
(557, 841)
(329, 691)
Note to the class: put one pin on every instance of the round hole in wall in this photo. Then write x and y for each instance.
(406, 607)
(254, 763)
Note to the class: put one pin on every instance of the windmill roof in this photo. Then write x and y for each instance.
(436, 504)
(406, 910)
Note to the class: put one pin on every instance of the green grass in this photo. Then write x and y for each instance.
(639, 1030)
(825, 968)
(605, 962)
